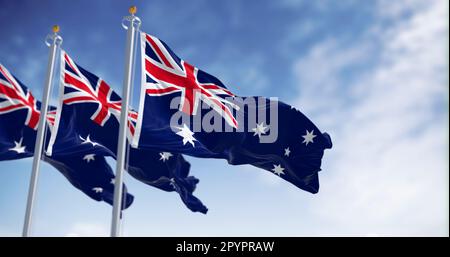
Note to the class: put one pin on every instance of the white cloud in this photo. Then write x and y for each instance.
(320, 74)
(388, 171)
(82, 229)
(395, 9)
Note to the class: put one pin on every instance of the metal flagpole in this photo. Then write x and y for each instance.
(54, 41)
(134, 23)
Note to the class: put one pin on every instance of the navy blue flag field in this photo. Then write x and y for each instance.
(90, 110)
(86, 169)
(186, 110)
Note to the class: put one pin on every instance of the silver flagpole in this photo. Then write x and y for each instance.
(132, 27)
(53, 41)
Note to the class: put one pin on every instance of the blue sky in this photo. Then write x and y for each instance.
(373, 74)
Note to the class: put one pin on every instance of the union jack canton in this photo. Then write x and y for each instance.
(14, 96)
(173, 75)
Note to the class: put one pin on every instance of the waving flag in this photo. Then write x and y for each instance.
(87, 169)
(91, 109)
(178, 99)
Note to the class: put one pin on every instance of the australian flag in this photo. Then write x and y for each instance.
(86, 169)
(186, 110)
(90, 110)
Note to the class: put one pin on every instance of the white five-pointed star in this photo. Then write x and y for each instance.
(260, 129)
(278, 170)
(308, 138)
(287, 151)
(165, 156)
(18, 148)
(186, 134)
(113, 181)
(172, 183)
(89, 157)
(97, 189)
(88, 141)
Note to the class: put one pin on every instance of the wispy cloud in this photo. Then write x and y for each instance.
(388, 171)
(243, 74)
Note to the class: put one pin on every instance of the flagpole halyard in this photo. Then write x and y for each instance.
(132, 28)
(54, 41)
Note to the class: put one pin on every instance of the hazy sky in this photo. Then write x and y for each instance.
(373, 74)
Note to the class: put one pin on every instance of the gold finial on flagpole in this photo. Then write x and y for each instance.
(132, 10)
(55, 29)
